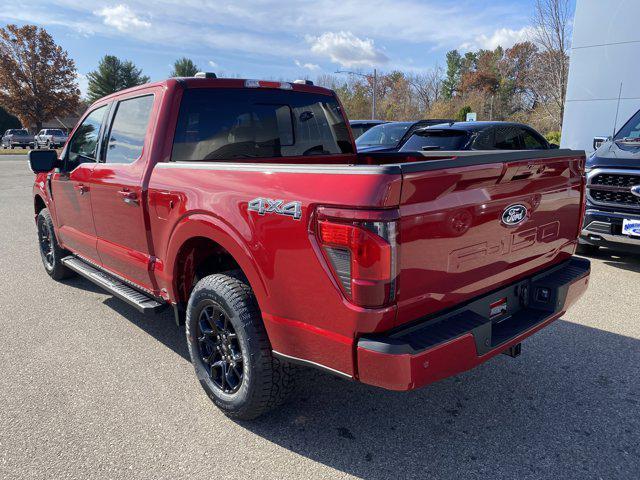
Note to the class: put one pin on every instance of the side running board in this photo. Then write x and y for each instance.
(141, 301)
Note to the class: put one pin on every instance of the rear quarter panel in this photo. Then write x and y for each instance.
(303, 308)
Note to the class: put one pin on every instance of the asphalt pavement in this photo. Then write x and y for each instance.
(90, 388)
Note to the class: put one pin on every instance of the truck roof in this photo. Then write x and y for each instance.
(193, 82)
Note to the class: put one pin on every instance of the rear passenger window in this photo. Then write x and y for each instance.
(128, 130)
(507, 138)
(485, 140)
(229, 124)
(532, 142)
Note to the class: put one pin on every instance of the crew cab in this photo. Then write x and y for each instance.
(612, 218)
(50, 138)
(17, 137)
(244, 207)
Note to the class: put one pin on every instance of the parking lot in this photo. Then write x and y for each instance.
(90, 388)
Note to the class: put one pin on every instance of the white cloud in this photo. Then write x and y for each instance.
(357, 33)
(347, 49)
(121, 17)
(212, 64)
(308, 66)
(503, 37)
(83, 83)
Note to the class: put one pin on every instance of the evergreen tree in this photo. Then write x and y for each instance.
(112, 75)
(450, 83)
(184, 67)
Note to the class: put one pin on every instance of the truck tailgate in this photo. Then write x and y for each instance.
(469, 227)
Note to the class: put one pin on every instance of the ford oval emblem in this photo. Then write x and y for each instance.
(635, 190)
(514, 215)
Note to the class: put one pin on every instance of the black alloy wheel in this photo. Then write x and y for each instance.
(46, 246)
(219, 348)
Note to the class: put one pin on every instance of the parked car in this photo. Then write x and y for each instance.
(50, 138)
(17, 137)
(244, 207)
(476, 136)
(613, 192)
(358, 127)
(390, 136)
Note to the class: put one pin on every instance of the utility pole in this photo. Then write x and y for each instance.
(373, 103)
(375, 85)
(491, 109)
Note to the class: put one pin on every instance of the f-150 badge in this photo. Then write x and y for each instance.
(268, 205)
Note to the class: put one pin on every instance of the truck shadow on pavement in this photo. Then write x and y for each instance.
(623, 260)
(160, 326)
(568, 407)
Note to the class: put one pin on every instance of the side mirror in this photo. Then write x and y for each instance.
(598, 141)
(554, 146)
(42, 161)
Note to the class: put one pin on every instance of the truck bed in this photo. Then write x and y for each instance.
(452, 246)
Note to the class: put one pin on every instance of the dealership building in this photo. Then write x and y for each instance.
(604, 56)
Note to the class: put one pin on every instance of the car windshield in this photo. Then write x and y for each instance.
(630, 132)
(18, 132)
(435, 140)
(385, 135)
(359, 128)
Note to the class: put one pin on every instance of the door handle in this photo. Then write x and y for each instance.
(82, 189)
(129, 197)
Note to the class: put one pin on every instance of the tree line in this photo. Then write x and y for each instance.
(524, 83)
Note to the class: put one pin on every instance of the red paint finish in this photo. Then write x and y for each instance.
(408, 372)
(453, 244)
(450, 243)
(75, 228)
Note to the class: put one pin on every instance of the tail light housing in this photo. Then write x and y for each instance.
(360, 247)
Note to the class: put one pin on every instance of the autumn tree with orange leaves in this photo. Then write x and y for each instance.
(37, 77)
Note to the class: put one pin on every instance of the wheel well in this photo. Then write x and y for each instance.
(197, 258)
(39, 204)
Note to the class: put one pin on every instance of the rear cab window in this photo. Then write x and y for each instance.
(216, 124)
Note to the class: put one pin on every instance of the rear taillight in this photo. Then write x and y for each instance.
(361, 248)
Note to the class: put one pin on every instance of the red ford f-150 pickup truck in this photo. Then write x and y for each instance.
(243, 205)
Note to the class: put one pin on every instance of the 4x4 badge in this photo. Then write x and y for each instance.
(268, 205)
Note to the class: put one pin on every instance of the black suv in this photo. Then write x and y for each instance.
(476, 136)
(390, 136)
(612, 217)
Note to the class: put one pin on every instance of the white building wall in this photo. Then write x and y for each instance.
(605, 52)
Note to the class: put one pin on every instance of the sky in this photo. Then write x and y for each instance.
(274, 39)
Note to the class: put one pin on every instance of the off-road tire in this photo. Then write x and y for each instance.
(266, 380)
(53, 263)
